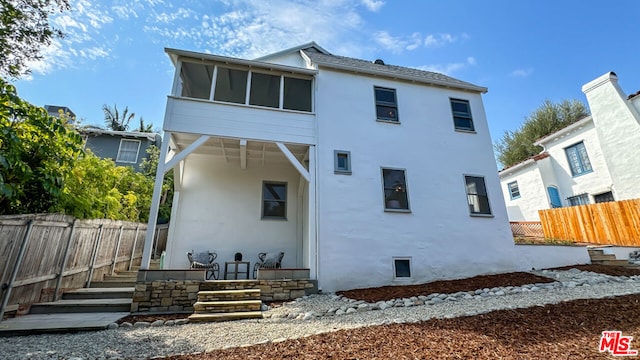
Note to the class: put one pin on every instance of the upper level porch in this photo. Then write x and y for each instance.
(238, 98)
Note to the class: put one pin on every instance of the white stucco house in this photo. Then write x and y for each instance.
(366, 174)
(593, 160)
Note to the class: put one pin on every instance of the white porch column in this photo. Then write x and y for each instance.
(155, 204)
(313, 231)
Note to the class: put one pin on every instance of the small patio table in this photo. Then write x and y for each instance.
(234, 268)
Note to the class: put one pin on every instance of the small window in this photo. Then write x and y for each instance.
(582, 199)
(274, 200)
(128, 151)
(477, 197)
(386, 104)
(231, 85)
(604, 197)
(297, 94)
(395, 190)
(342, 162)
(514, 191)
(578, 159)
(462, 119)
(401, 268)
(265, 90)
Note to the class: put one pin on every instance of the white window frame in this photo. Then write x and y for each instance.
(135, 161)
(336, 155)
(406, 190)
(395, 273)
(472, 213)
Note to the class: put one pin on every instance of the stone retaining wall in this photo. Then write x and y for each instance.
(178, 296)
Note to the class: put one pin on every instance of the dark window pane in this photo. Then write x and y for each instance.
(462, 119)
(387, 113)
(196, 80)
(403, 268)
(275, 191)
(274, 200)
(273, 209)
(385, 95)
(604, 197)
(297, 94)
(463, 123)
(395, 189)
(265, 90)
(231, 85)
(342, 162)
(477, 195)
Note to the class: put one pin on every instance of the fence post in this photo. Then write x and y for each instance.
(16, 267)
(64, 260)
(115, 256)
(95, 255)
(133, 249)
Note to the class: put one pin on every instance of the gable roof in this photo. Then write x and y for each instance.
(325, 59)
(296, 49)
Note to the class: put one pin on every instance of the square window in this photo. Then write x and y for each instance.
(514, 191)
(274, 200)
(462, 119)
(578, 159)
(297, 94)
(477, 197)
(231, 85)
(128, 151)
(265, 90)
(342, 162)
(386, 104)
(395, 190)
(604, 197)
(401, 268)
(582, 199)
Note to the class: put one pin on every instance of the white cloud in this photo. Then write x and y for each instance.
(373, 5)
(398, 44)
(448, 69)
(522, 73)
(439, 40)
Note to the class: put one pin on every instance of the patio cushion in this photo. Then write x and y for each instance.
(271, 260)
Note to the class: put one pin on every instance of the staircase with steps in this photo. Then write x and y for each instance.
(599, 257)
(225, 305)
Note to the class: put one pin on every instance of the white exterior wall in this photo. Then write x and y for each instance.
(357, 239)
(595, 182)
(289, 59)
(220, 209)
(617, 123)
(532, 195)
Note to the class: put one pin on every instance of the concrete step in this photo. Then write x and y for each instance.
(229, 295)
(602, 257)
(130, 273)
(99, 293)
(227, 306)
(619, 262)
(82, 306)
(225, 316)
(112, 284)
(221, 285)
(595, 251)
(120, 277)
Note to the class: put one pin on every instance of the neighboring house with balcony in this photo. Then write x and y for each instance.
(593, 160)
(364, 173)
(125, 148)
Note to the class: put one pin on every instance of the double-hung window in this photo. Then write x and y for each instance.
(578, 159)
(128, 151)
(386, 104)
(462, 119)
(274, 200)
(477, 197)
(395, 190)
(514, 190)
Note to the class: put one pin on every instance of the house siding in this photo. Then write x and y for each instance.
(106, 147)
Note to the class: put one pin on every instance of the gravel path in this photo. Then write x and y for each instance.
(149, 342)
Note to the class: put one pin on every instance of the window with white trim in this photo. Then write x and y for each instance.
(128, 151)
(395, 190)
(386, 104)
(477, 197)
(514, 190)
(578, 159)
(274, 200)
(342, 162)
(462, 119)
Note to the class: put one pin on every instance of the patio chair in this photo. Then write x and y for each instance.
(205, 260)
(268, 261)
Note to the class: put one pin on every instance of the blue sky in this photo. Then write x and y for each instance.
(523, 51)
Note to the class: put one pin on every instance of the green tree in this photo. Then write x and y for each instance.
(147, 128)
(517, 146)
(24, 31)
(37, 154)
(115, 120)
(149, 167)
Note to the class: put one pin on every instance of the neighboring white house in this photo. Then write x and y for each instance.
(593, 160)
(365, 173)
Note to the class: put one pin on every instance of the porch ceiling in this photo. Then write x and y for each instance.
(257, 152)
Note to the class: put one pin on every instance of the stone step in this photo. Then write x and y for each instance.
(225, 316)
(112, 284)
(82, 306)
(120, 277)
(129, 273)
(619, 262)
(99, 293)
(229, 295)
(226, 306)
(219, 285)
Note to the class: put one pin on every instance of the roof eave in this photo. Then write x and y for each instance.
(564, 130)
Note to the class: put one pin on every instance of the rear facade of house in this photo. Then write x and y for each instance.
(365, 173)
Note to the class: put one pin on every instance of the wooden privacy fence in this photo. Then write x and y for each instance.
(54, 252)
(615, 223)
